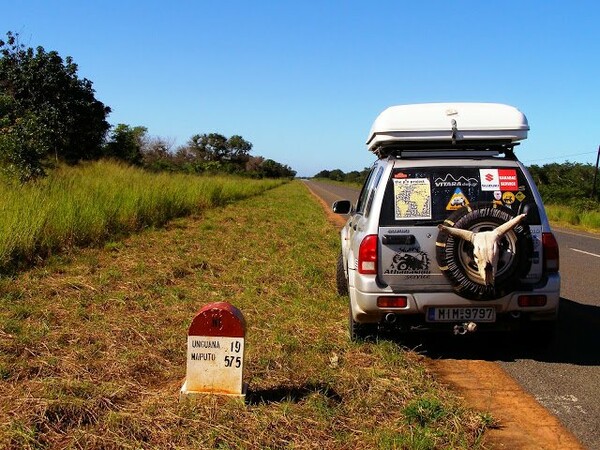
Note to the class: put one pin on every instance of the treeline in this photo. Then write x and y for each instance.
(568, 184)
(210, 153)
(338, 175)
(49, 115)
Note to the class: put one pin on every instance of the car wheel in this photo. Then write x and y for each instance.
(455, 255)
(341, 280)
(360, 332)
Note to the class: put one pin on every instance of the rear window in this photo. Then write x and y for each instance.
(429, 195)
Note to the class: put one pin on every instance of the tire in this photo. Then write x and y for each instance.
(340, 278)
(361, 332)
(455, 255)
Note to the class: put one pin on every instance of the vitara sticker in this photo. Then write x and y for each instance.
(450, 180)
(520, 196)
(457, 201)
(508, 179)
(490, 180)
(508, 198)
(400, 175)
(413, 264)
(412, 199)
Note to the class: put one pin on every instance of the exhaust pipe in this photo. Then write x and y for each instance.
(464, 328)
(390, 318)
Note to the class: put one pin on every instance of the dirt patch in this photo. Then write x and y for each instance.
(522, 422)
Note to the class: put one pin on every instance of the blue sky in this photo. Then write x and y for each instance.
(303, 81)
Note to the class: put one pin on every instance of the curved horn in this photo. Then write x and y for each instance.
(459, 232)
(509, 225)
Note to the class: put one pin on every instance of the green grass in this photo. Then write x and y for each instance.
(92, 347)
(89, 204)
(569, 216)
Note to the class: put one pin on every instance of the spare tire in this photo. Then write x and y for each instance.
(455, 255)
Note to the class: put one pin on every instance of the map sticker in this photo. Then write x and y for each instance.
(412, 198)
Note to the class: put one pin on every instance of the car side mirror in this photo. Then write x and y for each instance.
(341, 206)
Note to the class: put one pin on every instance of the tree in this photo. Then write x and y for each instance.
(208, 147)
(158, 156)
(562, 183)
(216, 147)
(337, 175)
(254, 164)
(126, 144)
(238, 149)
(23, 143)
(273, 169)
(323, 174)
(43, 95)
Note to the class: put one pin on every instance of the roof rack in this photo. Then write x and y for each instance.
(445, 149)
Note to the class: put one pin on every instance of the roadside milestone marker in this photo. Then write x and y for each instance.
(215, 352)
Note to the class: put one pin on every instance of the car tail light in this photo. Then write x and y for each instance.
(367, 255)
(550, 252)
(392, 302)
(531, 300)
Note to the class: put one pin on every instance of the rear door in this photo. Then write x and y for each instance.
(421, 195)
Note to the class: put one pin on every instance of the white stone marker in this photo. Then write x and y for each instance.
(215, 352)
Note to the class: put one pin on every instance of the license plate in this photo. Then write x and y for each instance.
(475, 314)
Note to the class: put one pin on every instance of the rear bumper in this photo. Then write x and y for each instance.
(365, 309)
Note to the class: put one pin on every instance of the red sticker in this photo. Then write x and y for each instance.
(508, 179)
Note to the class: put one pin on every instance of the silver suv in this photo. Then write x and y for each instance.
(449, 230)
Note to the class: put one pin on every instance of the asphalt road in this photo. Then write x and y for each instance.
(565, 376)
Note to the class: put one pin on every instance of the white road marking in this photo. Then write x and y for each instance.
(561, 404)
(587, 253)
(572, 233)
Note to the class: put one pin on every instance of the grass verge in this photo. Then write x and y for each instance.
(90, 203)
(92, 345)
(570, 217)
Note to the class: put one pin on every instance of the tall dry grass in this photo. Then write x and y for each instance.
(88, 204)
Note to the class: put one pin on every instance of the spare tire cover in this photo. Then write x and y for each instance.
(455, 255)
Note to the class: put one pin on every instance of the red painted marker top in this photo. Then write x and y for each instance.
(218, 319)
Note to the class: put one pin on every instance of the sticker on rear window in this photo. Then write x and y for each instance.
(412, 198)
(498, 179)
(489, 179)
(457, 201)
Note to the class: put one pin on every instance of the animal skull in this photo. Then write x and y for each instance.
(485, 246)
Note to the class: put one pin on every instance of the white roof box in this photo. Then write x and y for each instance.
(405, 125)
